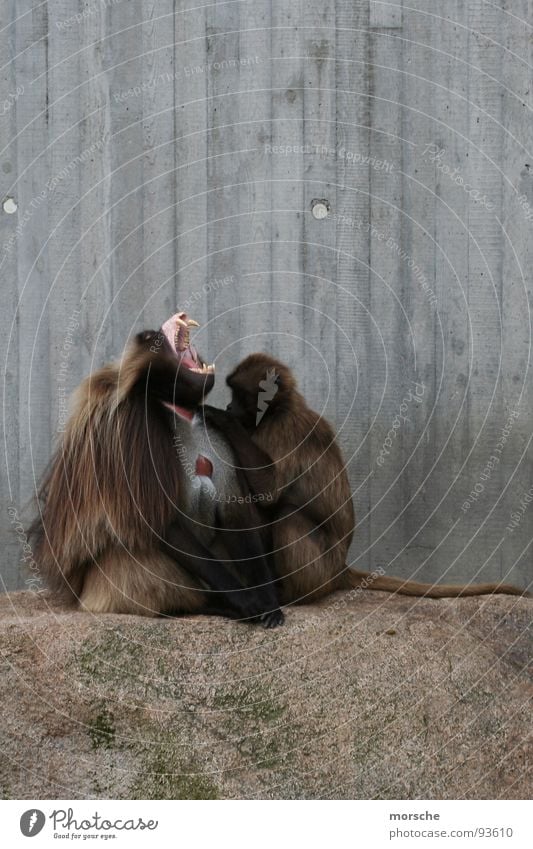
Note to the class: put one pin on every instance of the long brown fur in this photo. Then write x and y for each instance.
(106, 501)
(314, 521)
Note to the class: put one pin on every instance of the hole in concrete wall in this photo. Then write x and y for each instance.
(10, 206)
(320, 208)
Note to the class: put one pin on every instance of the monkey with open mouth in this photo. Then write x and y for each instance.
(144, 507)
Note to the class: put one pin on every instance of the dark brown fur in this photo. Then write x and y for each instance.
(313, 522)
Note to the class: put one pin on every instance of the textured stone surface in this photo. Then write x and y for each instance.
(366, 696)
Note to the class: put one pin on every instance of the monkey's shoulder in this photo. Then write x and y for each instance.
(300, 432)
(95, 389)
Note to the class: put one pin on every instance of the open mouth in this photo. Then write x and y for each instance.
(177, 331)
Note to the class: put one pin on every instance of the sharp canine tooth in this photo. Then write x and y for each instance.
(205, 369)
(192, 323)
(181, 323)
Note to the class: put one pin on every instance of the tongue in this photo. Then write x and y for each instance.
(187, 358)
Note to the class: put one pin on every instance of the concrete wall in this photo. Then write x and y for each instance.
(165, 154)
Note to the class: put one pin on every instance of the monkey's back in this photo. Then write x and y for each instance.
(315, 519)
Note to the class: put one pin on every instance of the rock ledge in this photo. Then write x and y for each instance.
(372, 697)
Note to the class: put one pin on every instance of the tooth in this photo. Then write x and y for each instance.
(205, 369)
(180, 322)
(192, 323)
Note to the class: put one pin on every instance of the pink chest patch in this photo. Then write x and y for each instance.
(204, 466)
(182, 412)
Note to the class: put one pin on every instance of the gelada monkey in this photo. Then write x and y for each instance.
(145, 508)
(312, 521)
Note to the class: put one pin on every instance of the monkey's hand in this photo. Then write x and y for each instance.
(254, 463)
(230, 426)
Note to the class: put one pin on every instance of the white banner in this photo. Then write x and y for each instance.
(268, 824)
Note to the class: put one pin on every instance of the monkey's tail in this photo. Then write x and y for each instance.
(371, 581)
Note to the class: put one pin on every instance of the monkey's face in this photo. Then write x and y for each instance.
(260, 387)
(194, 378)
